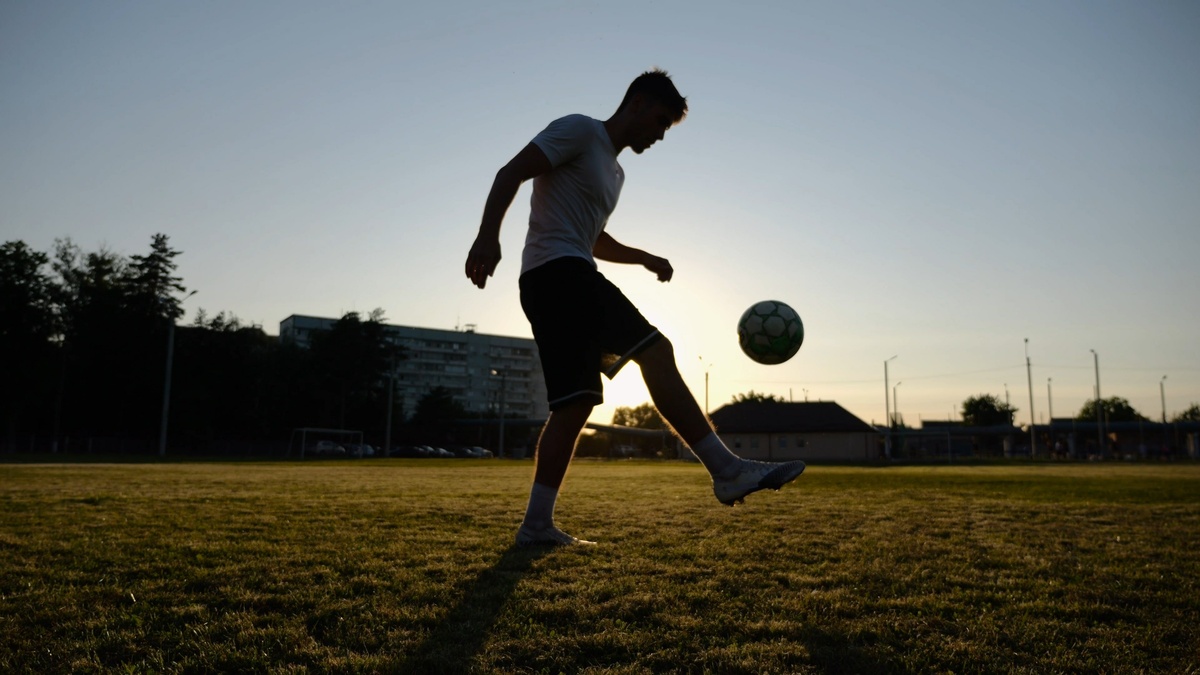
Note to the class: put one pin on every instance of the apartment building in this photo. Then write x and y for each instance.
(474, 367)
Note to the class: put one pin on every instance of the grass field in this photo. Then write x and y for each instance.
(406, 566)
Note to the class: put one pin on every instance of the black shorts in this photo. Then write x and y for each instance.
(583, 326)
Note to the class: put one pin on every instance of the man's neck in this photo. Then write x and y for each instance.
(616, 127)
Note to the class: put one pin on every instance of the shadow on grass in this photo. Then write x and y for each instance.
(836, 653)
(452, 646)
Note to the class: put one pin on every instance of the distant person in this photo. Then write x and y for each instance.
(582, 323)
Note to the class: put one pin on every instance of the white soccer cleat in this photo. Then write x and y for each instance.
(548, 536)
(754, 476)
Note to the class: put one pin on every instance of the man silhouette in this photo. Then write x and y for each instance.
(582, 323)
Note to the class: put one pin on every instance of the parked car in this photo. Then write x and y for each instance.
(623, 450)
(406, 451)
(359, 450)
(328, 449)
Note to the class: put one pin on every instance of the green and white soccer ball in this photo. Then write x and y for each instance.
(770, 332)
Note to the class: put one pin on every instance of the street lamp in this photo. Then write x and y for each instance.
(503, 387)
(166, 404)
(1099, 416)
(1162, 392)
(387, 434)
(1050, 398)
(1029, 376)
(707, 366)
(896, 401)
(887, 410)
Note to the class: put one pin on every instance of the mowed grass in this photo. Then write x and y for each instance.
(407, 566)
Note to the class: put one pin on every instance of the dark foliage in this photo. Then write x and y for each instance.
(84, 341)
(1114, 409)
(987, 410)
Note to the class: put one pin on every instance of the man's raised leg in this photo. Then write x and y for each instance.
(555, 448)
(733, 477)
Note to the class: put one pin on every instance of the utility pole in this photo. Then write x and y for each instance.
(503, 387)
(1099, 408)
(1050, 398)
(1029, 376)
(166, 404)
(887, 410)
(387, 433)
(1162, 392)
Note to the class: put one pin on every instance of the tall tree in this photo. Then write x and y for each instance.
(89, 292)
(26, 295)
(27, 327)
(755, 397)
(350, 362)
(226, 383)
(644, 416)
(987, 410)
(93, 317)
(1114, 409)
(152, 282)
(1192, 414)
(435, 414)
(114, 314)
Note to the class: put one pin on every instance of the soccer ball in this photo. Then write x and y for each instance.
(770, 332)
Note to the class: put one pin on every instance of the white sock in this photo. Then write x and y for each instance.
(540, 512)
(715, 457)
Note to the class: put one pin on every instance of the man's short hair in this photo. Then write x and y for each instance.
(656, 86)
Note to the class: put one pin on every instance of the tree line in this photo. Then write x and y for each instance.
(84, 349)
(982, 410)
(985, 410)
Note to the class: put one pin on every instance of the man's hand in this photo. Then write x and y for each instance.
(660, 266)
(482, 260)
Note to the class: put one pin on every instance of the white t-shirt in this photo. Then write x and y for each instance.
(572, 202)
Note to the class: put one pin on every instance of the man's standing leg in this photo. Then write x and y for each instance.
(733, 477)
(555, 448)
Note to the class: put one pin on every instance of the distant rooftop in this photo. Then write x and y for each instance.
(770, 417)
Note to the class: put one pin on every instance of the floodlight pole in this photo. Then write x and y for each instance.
(887, 410)
(1050, 399)
(1099, 416)
(1162, 392)
(1029, 376)
(387, 433)
(503, 386)
(166, 404)
(707, 366)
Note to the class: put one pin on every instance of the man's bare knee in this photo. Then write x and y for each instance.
(573, 411)
(660, 352)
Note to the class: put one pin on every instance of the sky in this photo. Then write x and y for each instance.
(957, 185)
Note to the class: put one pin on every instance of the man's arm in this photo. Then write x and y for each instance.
(611, 250)
(485, 252)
